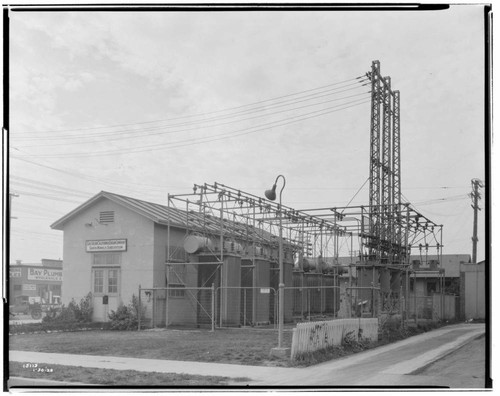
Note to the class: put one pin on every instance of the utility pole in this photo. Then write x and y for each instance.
(475, 196)
(9, 221)
(11, 195)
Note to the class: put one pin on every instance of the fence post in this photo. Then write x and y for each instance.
(276, 303)
(401, 306)
(220, 305)
(334, 297)
(373, 302)
(244, 307)
(140, 311)
(309, 304)
(301, 303)
(166, 306)
(153, 319)
(213, 306)
(415, 296)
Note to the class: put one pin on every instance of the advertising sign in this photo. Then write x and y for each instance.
(29, 287)
(44, 274)
(15, 272)
(106, 245)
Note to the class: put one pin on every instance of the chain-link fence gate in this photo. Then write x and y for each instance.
(246, 306)
(178, 307)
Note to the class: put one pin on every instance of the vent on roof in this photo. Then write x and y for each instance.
(107, 217)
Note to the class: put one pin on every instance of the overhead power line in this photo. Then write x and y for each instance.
(82, 176)
(47, 187)
(193, 141)
(45, 196)
(140, 133)
(357, 80)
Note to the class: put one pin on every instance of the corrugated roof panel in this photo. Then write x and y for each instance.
(176, 217)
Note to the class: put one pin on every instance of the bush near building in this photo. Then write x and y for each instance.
(126, 317)
(80, 313)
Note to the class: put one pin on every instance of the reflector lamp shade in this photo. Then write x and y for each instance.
(271, 194)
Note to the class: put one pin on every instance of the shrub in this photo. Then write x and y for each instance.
(126, 317)
(85, 309)
(79, 313)
(355, 342)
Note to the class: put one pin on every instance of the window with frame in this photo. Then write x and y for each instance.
(106, 259)
(106, 280)
(176, 280)
(98, 281)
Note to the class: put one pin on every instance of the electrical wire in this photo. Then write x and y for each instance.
(57, 190)
(150, 187)
(197, 122)
(357, 192)
(193, 141)
(142, 136)
(196, 115)
(45, 196)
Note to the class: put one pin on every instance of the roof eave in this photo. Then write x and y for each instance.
(59, 224)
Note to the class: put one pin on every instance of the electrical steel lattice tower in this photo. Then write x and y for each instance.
(385, 236)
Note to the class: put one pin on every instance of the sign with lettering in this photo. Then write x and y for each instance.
(15, 272)
(265, 290)
(106, 245)
(45, 274)
(29, 287)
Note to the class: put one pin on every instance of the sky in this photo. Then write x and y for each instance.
(149, 103)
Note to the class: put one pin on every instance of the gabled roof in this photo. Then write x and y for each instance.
(178, 218)
(155, 212)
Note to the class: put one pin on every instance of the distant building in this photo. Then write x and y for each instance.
(40, 282)
(472, 291)
(432, 275)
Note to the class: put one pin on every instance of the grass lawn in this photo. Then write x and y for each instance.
(237, 346)
(109, 377)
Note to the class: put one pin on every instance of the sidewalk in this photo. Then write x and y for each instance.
(393, 361)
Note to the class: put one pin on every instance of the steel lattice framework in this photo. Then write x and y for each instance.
(228, 215)
(385, 231)
(386, 235)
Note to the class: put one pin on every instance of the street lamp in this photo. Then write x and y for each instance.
(271, 195)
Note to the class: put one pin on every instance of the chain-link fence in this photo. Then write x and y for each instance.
(433, 308)
(312, 302)
(246, 306)
(360, 302)
(178, 306)
(212, 307)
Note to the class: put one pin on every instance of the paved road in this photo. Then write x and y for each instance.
(389, 365)
(465, 367)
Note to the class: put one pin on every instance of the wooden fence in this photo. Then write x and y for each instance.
(313, 336)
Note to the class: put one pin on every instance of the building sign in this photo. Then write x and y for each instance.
(29, 287)
(15, 272)
(106, 245)
(44, 274)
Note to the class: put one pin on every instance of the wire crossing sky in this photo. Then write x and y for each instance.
(148, 103)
